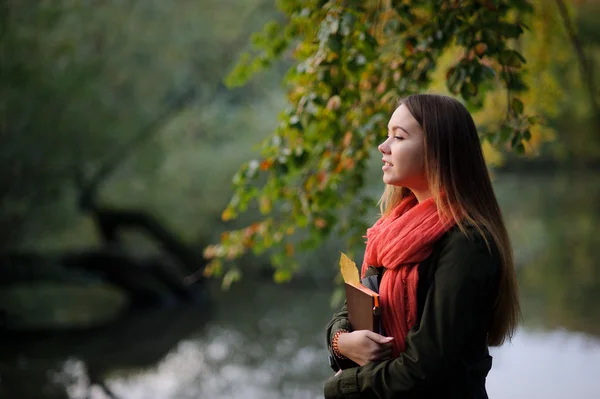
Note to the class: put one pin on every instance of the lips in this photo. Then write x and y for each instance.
(387, 166)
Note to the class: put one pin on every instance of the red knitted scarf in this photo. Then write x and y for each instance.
(399, 242)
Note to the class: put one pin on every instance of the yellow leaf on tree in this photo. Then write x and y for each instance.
(289, 249)
(227, 214)
(265, 205)
(282, 276)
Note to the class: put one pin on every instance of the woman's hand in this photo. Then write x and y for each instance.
(365, 346)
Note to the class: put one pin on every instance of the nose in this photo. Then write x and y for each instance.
(384, 148)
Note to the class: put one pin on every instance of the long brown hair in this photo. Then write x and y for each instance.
(454, 165)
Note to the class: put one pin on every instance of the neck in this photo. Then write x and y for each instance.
(422, 195)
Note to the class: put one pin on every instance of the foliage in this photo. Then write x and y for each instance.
(352, 61)
(556, 91)
(80, 80)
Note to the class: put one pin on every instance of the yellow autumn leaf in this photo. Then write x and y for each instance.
(289, 249)
(282, 276)
(265, 205)
(349, 270)
(227, 214)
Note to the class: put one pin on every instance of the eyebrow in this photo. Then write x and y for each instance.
(394, 128)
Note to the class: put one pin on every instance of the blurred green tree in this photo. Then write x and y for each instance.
(85, 87)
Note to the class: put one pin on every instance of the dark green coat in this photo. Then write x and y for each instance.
(446, 352)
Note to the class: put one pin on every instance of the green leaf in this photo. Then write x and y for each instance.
(452, 79)
(520, 149)
(515, 82)
(511, 58)
(511, 31)
(404, 11)
(517, 106)
(520, 57)
(505, 133)
(334, 44)
(488, 72)
(468, 90)
(516, 140)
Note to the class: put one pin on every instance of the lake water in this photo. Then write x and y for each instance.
(263, 341)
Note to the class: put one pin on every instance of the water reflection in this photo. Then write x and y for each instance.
(266, 341)
(548, 365)
(200, 369)
(553, 221)
(268, 346)
(536, 365)
(229, 359)
(53, 366)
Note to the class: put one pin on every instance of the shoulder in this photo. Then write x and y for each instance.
(470, 240)
(469, 252)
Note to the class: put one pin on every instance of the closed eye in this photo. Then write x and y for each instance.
(395, 137)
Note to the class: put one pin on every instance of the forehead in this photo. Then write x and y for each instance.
(403, 117)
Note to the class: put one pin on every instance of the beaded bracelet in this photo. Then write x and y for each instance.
(334, 344)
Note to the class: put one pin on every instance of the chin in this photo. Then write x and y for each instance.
(391, 181)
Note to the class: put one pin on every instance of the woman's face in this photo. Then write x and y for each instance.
(403, 152)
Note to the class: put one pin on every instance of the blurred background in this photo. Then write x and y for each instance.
(118, 143)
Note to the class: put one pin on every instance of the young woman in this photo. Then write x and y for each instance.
(443, 258)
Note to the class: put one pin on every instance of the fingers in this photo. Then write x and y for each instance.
(367, 346)
(380, 339)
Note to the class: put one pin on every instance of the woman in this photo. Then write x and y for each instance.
(443, 260)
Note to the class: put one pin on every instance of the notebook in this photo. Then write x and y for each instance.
(363, 308)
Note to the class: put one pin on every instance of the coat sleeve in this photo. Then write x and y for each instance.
(338, 322)
(456, 305)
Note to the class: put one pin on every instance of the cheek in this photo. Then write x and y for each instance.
(420, 160)
(409, 157)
